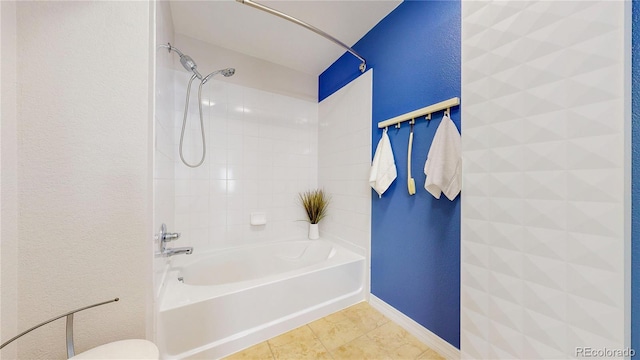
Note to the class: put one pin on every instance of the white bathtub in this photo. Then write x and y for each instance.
(217, 303)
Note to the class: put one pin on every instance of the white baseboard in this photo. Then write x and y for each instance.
(423, 334)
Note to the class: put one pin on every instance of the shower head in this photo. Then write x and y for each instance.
(189, 64)
(226, 72)
(185, 60)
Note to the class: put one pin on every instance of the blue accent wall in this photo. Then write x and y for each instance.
(415, 240)
(635, 185)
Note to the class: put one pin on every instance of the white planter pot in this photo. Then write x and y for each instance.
(314, 233)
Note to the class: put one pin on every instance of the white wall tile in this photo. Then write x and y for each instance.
(257, 160)
(164, 133)
(344, 159)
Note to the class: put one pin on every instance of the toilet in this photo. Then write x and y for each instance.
(123, 349)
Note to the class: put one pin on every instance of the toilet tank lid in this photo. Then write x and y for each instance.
(123, 349)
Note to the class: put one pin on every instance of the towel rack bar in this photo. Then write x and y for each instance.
(69, 331)
(446, 104)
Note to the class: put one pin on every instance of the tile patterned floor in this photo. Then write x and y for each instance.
(359, 332)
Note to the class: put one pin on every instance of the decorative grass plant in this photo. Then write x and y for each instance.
(315, 203)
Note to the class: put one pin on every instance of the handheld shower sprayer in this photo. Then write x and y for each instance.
(225, 72)
(190, 65)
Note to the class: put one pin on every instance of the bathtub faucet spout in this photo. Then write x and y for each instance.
(178, 251)
(163, 237)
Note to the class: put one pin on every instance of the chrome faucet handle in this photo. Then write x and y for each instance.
(170, 236)
(163, 230)
(165, 236)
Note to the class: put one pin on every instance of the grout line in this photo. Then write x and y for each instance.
(320, 341)
(273, 356)
(365, 334)
(323, 344)
(316, 335)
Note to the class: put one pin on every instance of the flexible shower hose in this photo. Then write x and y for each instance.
(184, 123)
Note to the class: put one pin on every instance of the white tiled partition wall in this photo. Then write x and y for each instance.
(344, 162)
(543, 205)
(261, 152)
(163, 155)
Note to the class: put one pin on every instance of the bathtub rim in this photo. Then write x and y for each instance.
(181, 262)
(174, 294)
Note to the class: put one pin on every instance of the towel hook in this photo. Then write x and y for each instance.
(428, 117)
(447, 112)
(413, 121)
(398, 126)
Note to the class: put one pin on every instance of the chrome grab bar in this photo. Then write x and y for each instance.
(69, 315)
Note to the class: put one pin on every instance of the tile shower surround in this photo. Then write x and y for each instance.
(262, 150)
(344, 161)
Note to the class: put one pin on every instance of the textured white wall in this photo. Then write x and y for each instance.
(8, 179)
(344, 160)
(543, 205)
(84, 170)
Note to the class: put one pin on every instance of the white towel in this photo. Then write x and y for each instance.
(383, 168)
(444, 162)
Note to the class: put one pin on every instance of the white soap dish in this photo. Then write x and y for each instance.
(258, 218)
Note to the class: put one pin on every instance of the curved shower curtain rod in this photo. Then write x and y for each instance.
(363, 65)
